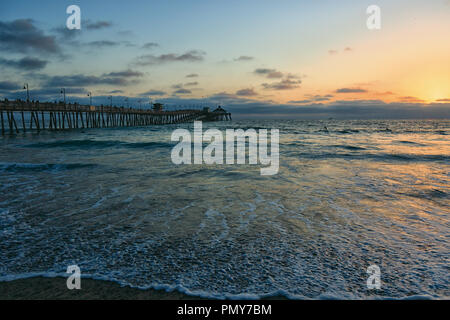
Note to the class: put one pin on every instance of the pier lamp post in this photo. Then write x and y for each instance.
(25, 86)
(63, 92)
(110, 101)
(140, 103)
(90, 98)
(126, 100)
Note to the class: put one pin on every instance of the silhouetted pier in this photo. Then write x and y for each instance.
(22, 115)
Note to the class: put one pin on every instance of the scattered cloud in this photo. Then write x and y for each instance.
(285, 84)
(332, 52)
(351, 90)
(97, 25)
(244, 58)
(319, 98)
(443, 100)
(246, 92)
(9, 86)
(115, 91)
(26, 63)
(65, 34)
(384, 93)
(411, 99)
(150, 45)
(313, 99)
(103, 44)
(348, 49)
(126, 73)
(190, 56)
(192, 75)
(23, 36)
(300, 101)
(121, 78)
(269, 73)
(191, 84)
(153, 93)
(182, 91)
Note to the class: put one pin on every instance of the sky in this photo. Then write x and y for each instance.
(258, 58)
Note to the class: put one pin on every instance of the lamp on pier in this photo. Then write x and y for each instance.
(25, 86)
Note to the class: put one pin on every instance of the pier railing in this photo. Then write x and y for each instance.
(22, 115)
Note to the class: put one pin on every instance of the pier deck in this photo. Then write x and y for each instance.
(22, 115)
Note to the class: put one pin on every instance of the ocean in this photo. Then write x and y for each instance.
(348, 194)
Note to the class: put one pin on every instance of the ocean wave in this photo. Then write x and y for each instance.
(371, 156)
(15, 167)
(98, 144)
(347, 131)
(348, 147)
(410, 143)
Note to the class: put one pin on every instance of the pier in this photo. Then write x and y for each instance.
(22, 115)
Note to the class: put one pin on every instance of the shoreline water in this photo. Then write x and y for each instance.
(43, 288)
(54, 288)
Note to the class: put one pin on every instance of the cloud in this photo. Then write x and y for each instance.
(27, 63)
(300, 101)
(313, 99)
(65, 34)
(190, 56)
(121, 78)
(385, 93)
(443, 100)
(269, 73)
(150, 45)
(97, 25)
(79, 80)
(23, 36)
(332, 52)
(182, 91)
(103, 43)
(191, 84)
(244, 58)
(126, 73)
(45, 93)
(411, 99)
(9, 86)
(285, 84)
(192, 75)
(246, 92)
(115, 91)
(348, 49)
(153, 93)
(351, 90)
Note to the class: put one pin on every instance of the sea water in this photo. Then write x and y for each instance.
(348, 194)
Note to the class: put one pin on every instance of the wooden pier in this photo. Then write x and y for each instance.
(22, 115)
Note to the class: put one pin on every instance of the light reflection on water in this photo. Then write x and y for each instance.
(111, 201)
